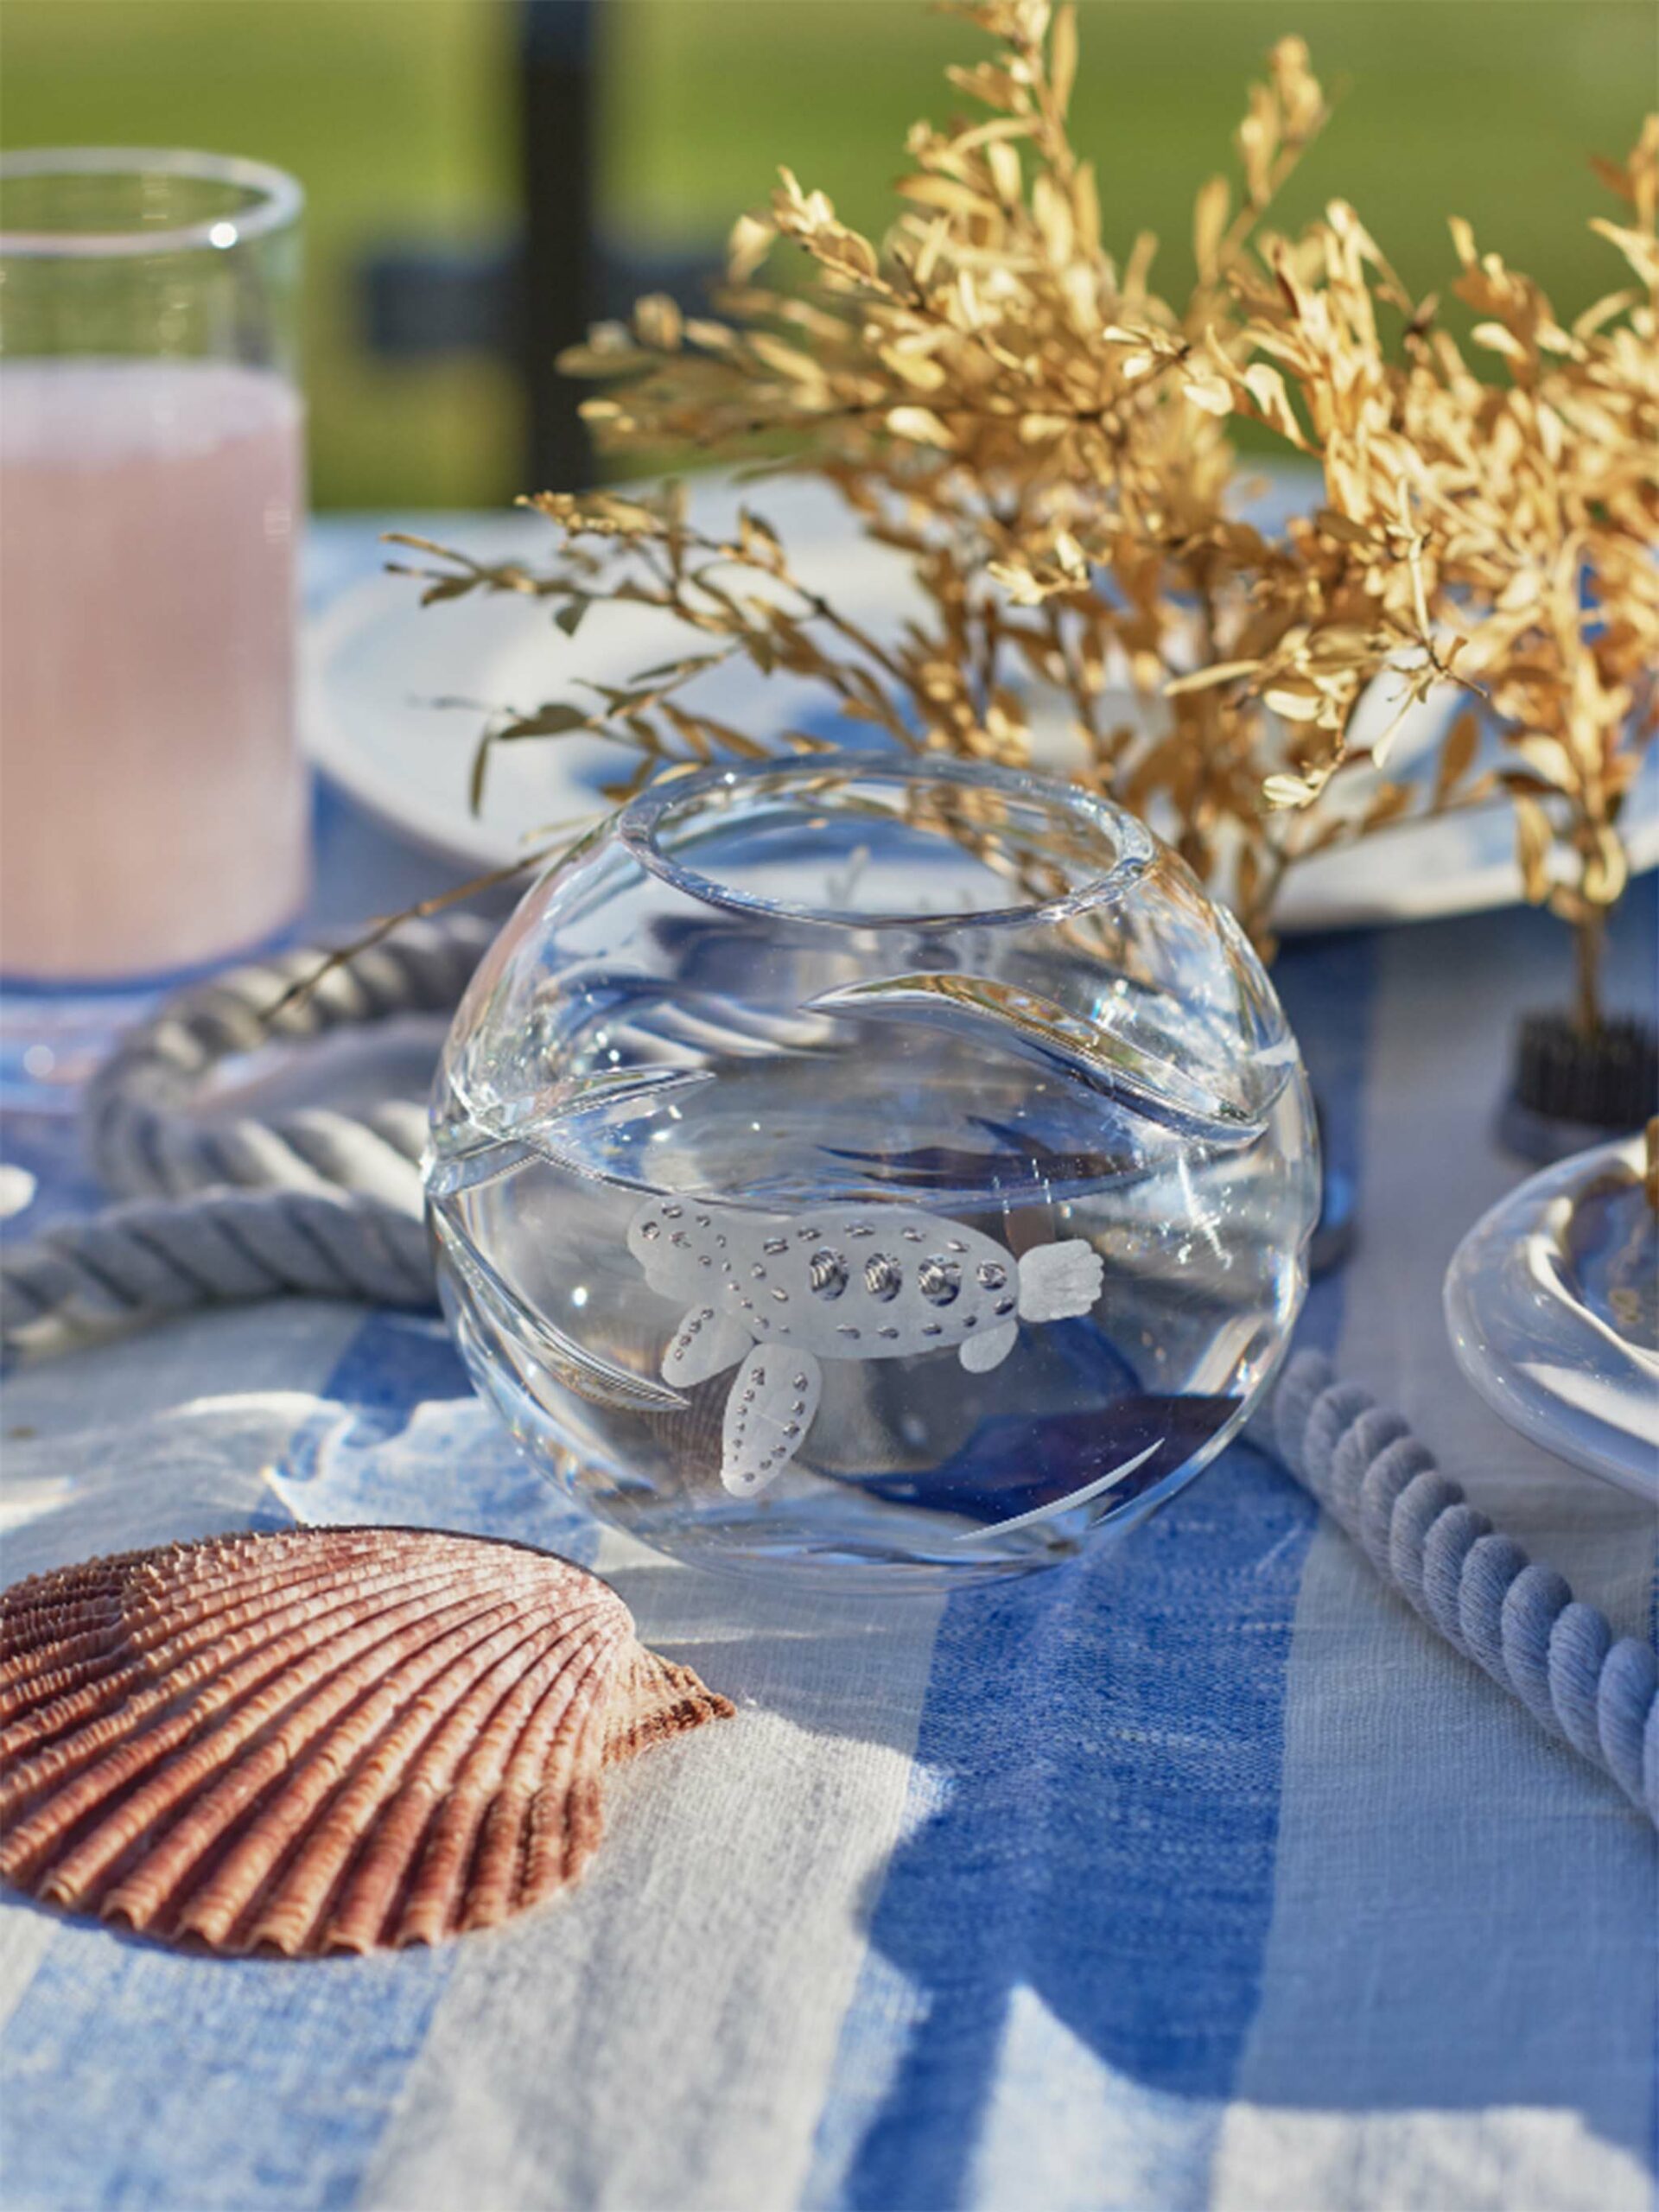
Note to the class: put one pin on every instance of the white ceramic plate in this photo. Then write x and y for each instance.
(377, 665)
(1543, 1298)
(393, 695)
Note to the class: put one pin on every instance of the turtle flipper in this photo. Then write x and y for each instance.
(1057, 1281)
(980, 1354)
(774, 1395)
(706, 1341)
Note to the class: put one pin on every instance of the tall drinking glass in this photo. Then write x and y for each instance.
(153, 810)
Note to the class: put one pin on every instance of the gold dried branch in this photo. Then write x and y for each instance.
(1525, 505)
(1002, 400)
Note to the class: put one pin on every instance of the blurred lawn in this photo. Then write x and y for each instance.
(389, 111)
(398, 115)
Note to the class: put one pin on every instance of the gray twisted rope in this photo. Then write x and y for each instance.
(1474, 1587)
(150, 1259)
(146, 1138)
(317, 1203)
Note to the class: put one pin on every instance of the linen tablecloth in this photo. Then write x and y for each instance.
(1196, 1873)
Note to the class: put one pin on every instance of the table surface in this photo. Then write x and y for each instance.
(1196, 1873)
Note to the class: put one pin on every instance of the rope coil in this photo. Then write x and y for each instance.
(315, 1203)
(144, 1138)
(1475, 1587)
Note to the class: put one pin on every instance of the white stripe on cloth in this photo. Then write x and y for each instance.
(1069, 2132)
(1525, 2157)
(663, 2042)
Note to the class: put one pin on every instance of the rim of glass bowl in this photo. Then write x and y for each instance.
(279, 201)
(645, 815)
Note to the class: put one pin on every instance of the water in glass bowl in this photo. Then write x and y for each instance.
(891, 1176)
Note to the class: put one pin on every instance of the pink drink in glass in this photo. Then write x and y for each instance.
(152, 800)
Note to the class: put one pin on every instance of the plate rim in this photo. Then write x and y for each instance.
(328, 747)
(1520, 1400)
(461, 837)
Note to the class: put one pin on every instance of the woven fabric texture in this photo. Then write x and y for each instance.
(1200, 1873)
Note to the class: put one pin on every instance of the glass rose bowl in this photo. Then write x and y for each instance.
(884, 1172)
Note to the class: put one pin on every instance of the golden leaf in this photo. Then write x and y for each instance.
(657, 321)
(1063, 58)
(1004, 165)
(1297, 703)
(1640, 250)
(1500, 340)
(1549, 758)
(1203, 679)
(1267, 388)
(1290, 791)
(944, 192)
(788, 361)
(1606, 871)
(1209, 223)
(921, 425)
(1209, 393)
(748, 247)
(1392, 801)
(1458, 750)
(1533, 839)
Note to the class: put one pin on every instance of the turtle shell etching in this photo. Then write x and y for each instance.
(774, 1297)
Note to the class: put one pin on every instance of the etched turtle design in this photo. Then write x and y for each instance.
(841, 1282)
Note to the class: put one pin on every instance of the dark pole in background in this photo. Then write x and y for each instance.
(559, 270)
(524, 294)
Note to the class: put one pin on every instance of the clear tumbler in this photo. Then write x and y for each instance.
(153, 806)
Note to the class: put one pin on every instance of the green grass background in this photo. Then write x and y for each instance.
(398, 116)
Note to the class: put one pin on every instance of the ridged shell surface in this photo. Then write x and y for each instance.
(322, 1739)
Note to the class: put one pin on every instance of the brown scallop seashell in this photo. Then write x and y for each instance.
(323, 1740)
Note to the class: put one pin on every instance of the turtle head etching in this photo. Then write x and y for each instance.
(774, 1297)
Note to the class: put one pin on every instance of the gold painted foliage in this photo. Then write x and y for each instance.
(1003, 398)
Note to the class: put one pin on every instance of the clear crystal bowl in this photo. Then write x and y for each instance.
(882, 1172)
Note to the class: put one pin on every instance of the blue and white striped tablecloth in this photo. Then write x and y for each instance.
(1195, 1874)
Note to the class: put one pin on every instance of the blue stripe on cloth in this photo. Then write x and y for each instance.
(134, 2077)
(1091, 1835)
(1327, 985)
(137, 2078)
(412, 1444)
